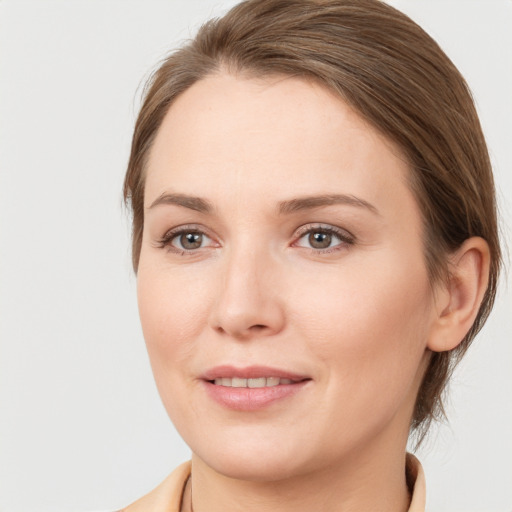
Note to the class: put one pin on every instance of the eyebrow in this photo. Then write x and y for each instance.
(284, 208)
(310, 202)
(193, 203)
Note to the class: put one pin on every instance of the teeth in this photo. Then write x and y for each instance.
(259, 382)
(239, 383)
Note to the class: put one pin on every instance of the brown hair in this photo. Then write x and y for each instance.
(397, 78)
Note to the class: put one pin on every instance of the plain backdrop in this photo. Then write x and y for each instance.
(81, 424)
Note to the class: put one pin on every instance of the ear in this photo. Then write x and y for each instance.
(457, 301)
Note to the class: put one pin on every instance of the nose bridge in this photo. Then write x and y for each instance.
(247, 299)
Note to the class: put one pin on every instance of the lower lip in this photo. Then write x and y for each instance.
(252, 399)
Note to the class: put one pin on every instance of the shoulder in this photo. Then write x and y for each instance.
(167, 496)
(416, 483)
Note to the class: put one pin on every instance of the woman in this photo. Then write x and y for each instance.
(315, 242)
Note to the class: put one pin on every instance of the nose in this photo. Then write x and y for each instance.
(248, 300)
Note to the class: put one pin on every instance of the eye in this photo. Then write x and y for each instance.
(189, 241)
(185, 239)
(323, 238)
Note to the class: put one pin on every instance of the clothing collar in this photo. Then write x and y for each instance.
(168, 495)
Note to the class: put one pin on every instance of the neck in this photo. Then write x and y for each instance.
(370, 480)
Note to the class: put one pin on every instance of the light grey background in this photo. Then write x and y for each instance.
(81, 425)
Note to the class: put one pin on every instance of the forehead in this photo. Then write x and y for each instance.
(278, 135)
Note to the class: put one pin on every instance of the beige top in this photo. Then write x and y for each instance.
(167, 496)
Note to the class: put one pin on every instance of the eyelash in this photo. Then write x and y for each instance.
(345, 238)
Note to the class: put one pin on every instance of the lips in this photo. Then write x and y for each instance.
(251, 388)
(251, 372)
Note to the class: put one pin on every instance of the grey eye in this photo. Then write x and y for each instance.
(190, 240)
(319, 239)
(324, 239)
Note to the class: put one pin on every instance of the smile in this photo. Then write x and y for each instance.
(252, 388)
(259, 382)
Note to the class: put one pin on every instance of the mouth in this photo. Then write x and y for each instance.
(257, 382)
(252, 388)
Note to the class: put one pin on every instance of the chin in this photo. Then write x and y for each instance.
(257, 468)
(254, 459)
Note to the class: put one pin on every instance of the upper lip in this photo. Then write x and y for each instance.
(250, 372)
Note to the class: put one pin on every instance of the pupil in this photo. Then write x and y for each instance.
(320, 240)
(191, 240)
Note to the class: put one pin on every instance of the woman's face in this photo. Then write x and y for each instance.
(282, 286)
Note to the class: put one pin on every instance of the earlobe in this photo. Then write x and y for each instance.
(459, 300)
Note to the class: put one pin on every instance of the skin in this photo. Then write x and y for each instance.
(357, 318)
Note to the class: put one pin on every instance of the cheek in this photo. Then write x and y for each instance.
(375, 299)
(369, 328)
(172, 311)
